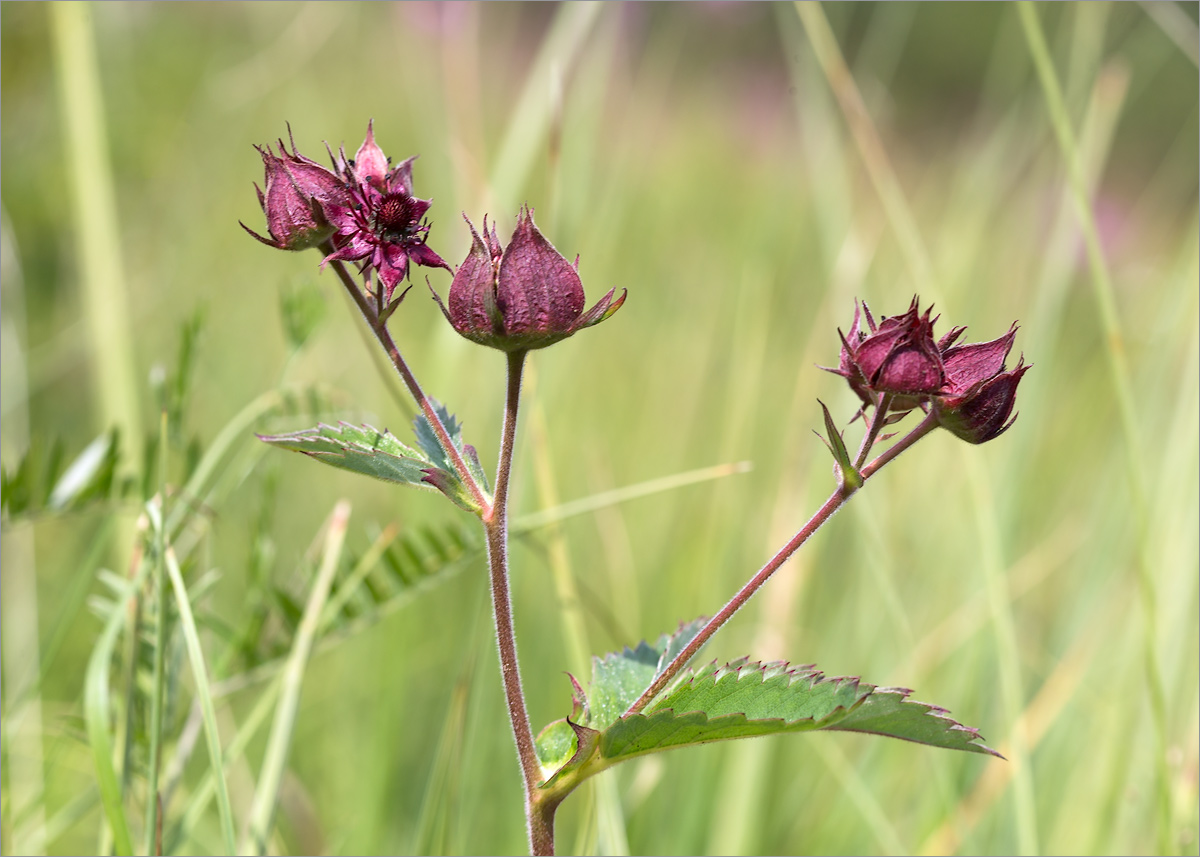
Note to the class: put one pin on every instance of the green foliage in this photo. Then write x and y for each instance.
(302, 309)
(381, 455)
(741, 699)
(619, 678)
(362, 450)
(40, 483)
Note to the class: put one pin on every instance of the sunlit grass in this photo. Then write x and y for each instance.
(698, 156)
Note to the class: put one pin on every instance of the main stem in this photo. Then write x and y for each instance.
(379, 328)
(540, 818)
(830, 506)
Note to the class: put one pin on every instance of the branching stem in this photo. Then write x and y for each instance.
(827, 510)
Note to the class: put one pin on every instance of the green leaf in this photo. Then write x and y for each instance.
(719, 703)
(361, 450)
(850, 478)
(90, 475)
(555, 746)
(619, 678)
(428, 441)
(427, 438)
(738, 700)
(889, 711)
(743, 700)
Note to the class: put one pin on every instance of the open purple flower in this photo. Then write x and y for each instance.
(380, 223)
(366, 210)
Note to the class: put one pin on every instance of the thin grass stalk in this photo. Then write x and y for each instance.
(266, 795)
(870, 147)
(191, 639)
(1012, 696)
(95, 216)
(206, 788)
(1105, 299)
(96, 711)
(158, 681)
(529, 126)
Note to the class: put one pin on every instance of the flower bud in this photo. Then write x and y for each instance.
(296, 188)
(521, 297)
(979, 395)
(964, 386)
(899, 357)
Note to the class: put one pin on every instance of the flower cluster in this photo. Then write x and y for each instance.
(366, 210)
(965, 386)
(517, 298)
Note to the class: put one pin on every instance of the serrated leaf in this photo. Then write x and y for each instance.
(427, 440)
(889, 711)
(740, 700)
(619, 678)
(746, 700)
(363, 450)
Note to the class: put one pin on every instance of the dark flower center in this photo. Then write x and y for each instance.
(396, 217)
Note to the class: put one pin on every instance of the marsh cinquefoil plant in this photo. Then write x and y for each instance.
(525, 296)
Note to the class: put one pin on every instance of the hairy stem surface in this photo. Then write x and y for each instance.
(540, 818)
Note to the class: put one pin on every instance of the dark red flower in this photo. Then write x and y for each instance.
(523, 296)
(978, 400)
(366, 210)
(898, 357)
(965, 386)
(380, 224)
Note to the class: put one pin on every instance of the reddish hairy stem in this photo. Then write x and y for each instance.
(540, 819)
(372, 316)
(828, 508)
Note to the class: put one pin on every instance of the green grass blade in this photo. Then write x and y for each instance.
(530, 122)
(208, 784)
(1115, 350)
(191, 638)
(266, 796)
(158, 688)
(96, 218)
(96, 716)
(870, 148)
(604, 499)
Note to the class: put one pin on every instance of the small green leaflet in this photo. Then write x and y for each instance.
(364, 449)
(619, 678)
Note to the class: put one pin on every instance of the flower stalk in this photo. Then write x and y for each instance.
(836, 500)
(378, 324)
(540, 818)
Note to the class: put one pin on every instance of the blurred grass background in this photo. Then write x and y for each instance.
(1043, 587)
